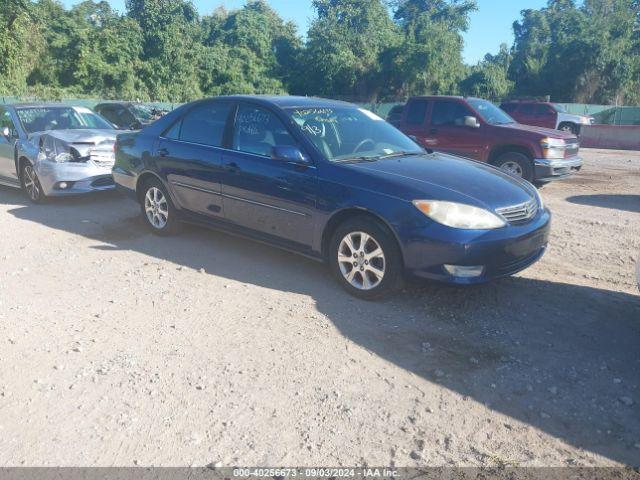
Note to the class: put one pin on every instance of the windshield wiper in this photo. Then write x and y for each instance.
(356, 159)
(401, 154)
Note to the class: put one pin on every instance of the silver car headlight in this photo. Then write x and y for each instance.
(459, 215)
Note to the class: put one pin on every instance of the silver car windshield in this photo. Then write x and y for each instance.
(345, 133)
(40, 119)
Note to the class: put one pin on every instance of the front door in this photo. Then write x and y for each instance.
(189, 156)
(546, 116)
(269, 196)
(448, 133)
(8, 173)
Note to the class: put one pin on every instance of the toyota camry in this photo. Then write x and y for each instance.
(334, 182)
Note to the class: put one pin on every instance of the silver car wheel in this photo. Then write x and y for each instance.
(512, 167)
(30, 181)
(156, 208)
(361, 260)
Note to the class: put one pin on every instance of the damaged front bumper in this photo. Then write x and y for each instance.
(73, 178)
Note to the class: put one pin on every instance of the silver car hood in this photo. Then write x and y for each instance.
(81, 136)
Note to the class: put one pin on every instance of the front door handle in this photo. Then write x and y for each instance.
(163, 152)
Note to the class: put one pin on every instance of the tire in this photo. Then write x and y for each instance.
(364, 276)
(158, 211)
(31, 183)
(569, 128)
(516, 164)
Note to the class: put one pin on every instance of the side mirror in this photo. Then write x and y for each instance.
(6, 132)
(289, 153)
(471, 122)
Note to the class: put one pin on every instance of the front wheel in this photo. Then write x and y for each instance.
(569, 128)
(516, 164)
(365, 258)
(31, 183)
(157, 209)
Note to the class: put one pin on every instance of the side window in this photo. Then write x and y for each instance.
(173, 132)
(543, 110)
(205, 124)
(417, 112)
(258, 130)
(449, 113)
(107, 112)
(124, 117)
(527, 109)
(509, 107)
(5, 121)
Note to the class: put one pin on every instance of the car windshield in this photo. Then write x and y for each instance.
(40, 119)
(144, 113)
(351, 133)
(490, 113)
(559, 108)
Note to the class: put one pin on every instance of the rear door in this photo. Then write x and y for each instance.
(189, 157)
(447, 132)
(8, 173)
(269, 196)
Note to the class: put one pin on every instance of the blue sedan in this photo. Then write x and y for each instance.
(336, 183)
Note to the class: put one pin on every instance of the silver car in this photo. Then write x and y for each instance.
(55, 150)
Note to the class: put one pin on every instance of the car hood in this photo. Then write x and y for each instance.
(539, 131)
(446, 177)
(82, 136)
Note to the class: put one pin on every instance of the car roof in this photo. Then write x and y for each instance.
(285, 101)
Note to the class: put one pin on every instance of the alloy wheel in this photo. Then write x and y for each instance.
(361, 260)
(512, 167)
(156, 208)
(31, 184)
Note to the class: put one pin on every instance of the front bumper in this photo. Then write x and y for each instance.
(79, 178)
(556, 169)
(502, 252)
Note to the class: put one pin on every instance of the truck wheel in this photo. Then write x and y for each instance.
(516, 164)
(365, 258)
(569, 128)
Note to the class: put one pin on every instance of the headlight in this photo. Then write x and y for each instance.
(459, 215)
(62, 157)
(553, 147)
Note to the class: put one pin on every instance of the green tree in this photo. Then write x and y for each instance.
(345, 49)
(429, 59)
(18, 44)
(489, 78)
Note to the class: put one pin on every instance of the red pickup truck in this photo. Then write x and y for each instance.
(477, 129)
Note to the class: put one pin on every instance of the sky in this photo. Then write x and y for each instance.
(491, 25)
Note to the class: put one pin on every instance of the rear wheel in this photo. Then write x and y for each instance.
(365, 258)
(31, 183)
(516, 164)
(157, 209)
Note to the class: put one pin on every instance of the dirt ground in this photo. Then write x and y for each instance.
(120, 348)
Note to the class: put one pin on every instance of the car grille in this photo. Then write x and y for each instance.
(105, 181)
(519, 214)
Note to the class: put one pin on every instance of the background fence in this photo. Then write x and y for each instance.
(603, 114)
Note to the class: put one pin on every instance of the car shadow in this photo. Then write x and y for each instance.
(629, 203)
(561, 358)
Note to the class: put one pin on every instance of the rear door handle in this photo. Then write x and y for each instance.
(163, 152)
